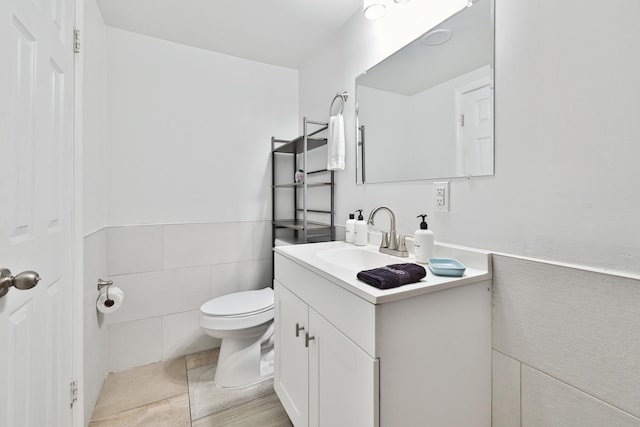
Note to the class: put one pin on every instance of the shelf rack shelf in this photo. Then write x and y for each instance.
(302, 228)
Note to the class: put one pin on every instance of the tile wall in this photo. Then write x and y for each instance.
(167, 272)
(565, 340)
(565, 346)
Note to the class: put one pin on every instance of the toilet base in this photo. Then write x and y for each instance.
(245, 361)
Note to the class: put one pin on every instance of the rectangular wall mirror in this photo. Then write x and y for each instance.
(426, 112)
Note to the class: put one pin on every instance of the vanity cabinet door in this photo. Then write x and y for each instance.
(291, 376)
(343, 379)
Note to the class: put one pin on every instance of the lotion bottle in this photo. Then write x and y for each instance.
(423, 244)
(350, 228)
(361, 230)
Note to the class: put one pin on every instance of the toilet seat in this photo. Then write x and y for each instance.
(240, 310)
(239, 304)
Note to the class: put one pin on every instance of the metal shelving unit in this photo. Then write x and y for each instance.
(298, 227)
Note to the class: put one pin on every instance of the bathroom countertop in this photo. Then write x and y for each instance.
(477, 263)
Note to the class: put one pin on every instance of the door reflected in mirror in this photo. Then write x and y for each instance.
(426, 112)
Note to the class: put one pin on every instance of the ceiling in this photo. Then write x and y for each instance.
(278, 32)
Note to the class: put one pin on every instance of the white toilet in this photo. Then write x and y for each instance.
(244, 323)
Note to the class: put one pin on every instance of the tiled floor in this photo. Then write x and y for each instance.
(181, 392)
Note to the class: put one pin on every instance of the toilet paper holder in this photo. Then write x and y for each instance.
(101, 284)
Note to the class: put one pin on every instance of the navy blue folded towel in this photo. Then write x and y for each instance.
(392, 276)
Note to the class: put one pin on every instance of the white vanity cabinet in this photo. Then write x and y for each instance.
(292, 358)
(414, 357)
(322, 377)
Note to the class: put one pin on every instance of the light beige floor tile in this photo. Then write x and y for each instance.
(202, 358)
(139, 386)
(172, 412)
(206, 398)
(266, 411)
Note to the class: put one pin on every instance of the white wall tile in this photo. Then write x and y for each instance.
(240, 276)
(188, 245)
(161, 292)
(181, 334)
(547, 402)
(134, 249)
(505, 391)
(262, 240)
(577, 326)
(135, 344)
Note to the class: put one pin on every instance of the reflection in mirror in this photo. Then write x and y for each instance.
(426, 111)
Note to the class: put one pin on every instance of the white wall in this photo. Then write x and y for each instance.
(566, 154)
(94, 56)
(189, 132)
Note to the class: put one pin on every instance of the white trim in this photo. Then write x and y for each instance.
(77, 226)
(616, 273)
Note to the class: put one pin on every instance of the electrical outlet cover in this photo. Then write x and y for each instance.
(441, 195)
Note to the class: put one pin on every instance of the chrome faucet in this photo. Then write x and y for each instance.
(391, 244)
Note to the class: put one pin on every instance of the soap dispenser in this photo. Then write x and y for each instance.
(361, 230)
(350, 229)
(423, 245)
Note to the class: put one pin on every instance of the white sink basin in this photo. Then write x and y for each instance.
(358, 259)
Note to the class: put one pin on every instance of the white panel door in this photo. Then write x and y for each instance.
(36, 87)
(476, 131)
(343, 379)
(291, 378)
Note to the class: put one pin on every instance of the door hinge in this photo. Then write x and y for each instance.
(74, 392)
(76, 40)
(461, 120)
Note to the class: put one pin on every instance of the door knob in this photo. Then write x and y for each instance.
(24, 280)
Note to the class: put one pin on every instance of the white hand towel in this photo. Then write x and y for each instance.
(335, 143)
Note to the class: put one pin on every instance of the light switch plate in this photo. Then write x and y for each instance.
(441, 194)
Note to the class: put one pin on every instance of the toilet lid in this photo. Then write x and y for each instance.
(240, 303)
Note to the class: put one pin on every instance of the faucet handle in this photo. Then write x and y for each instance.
(402, 246)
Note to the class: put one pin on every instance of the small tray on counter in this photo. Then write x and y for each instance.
(446, 267)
